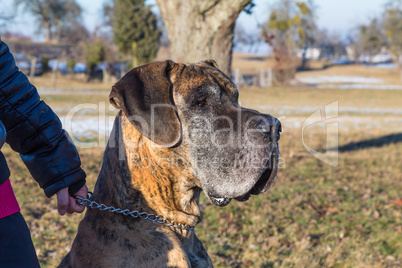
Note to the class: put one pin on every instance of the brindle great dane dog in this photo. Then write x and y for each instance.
(180, 131)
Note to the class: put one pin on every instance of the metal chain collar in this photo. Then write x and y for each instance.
(86, 202)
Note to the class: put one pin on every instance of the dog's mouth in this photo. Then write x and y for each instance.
(220, 201)
(266, 180)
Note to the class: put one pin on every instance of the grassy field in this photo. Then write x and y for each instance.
(315, 215)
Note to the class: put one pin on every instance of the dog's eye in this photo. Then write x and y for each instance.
(202, 103)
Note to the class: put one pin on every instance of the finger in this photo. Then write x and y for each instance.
(71, 205)
(74, 207)
(70, 208)
(62, 201)
(69, 211)
(83, 192)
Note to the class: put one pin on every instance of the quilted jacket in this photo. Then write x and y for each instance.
(35, 131)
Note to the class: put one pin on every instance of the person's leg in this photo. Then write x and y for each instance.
(16, 247)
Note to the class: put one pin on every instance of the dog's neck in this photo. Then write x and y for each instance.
(158, 183)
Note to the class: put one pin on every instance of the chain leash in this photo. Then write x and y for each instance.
(86, 202)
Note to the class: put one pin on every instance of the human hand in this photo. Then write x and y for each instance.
(67, 203)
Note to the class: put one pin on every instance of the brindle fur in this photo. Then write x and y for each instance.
(138, 174)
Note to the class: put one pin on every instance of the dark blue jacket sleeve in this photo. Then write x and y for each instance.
(35, 131)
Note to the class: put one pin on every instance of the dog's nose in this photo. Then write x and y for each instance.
(272, 130)
(277, 129)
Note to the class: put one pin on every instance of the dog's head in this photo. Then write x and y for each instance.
(233, 151)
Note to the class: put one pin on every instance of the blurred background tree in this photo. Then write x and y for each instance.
(190, 31)
(392, 24)
(246, 38)
(200, 30)
(382, 33)
(70, 65)
(306, 28)
(135, 30)
(371, 37)
(95, 53)
(52, 15)
(291, 25)
(331, 45)
(73, 33)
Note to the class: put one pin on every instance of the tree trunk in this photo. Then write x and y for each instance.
(304, 59)
(54, 75)
(48, 35)
(400, 75)
(33, 61)
(200, 30)
(399, 60)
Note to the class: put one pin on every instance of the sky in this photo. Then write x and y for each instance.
(335, 15)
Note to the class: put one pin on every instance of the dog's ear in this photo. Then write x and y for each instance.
(210, 63)
(145, 96)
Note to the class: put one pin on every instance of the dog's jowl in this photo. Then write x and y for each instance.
(180, 131)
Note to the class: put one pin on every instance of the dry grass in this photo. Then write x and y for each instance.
(314, 216)
(390, 76)
(64, 82)
(315, 97)
(251, 63)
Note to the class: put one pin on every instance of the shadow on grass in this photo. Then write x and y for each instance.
(308, 69)
(255, 58)
(376, 142)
